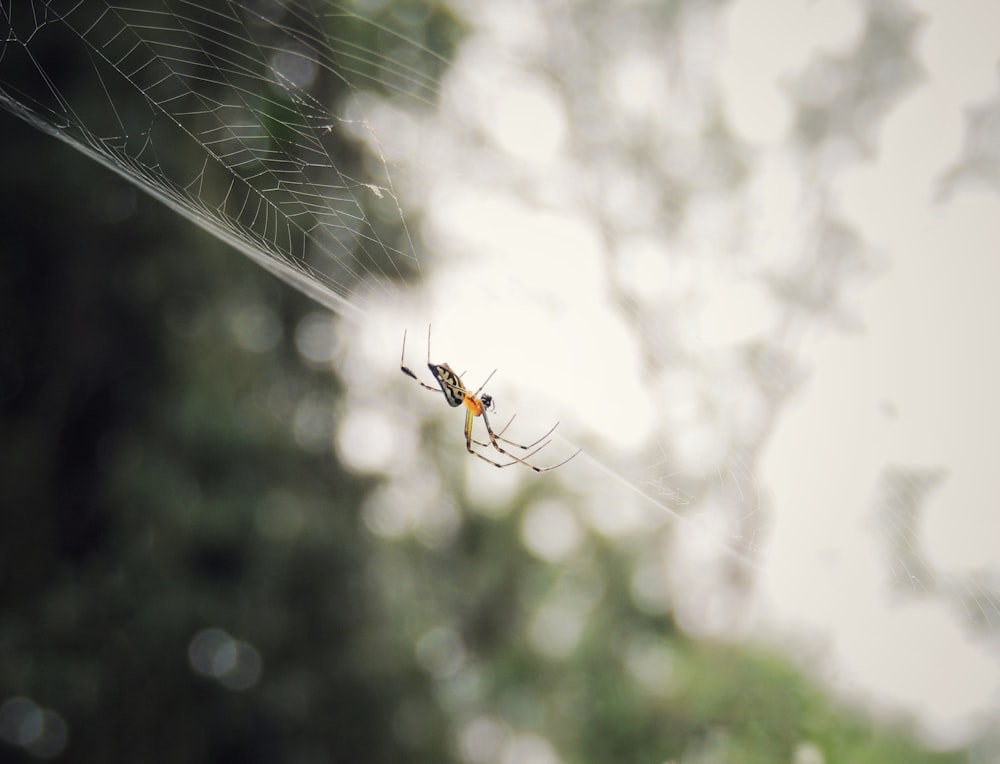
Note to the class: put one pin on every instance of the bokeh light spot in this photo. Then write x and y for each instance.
(40, 731)
(441, 652)
(235, 664)
(551, 531)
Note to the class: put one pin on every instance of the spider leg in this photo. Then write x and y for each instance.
(495, 442)
(498, 435)
(522, 446)
(529, 446)
(485, 382)
(479, 443)
(469, 419)
(406, 370)
(560, 464)
(509, 423)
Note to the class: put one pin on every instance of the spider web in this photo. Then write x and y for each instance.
(665, 223)
(224, 115)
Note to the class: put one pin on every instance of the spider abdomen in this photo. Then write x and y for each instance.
(451, 384)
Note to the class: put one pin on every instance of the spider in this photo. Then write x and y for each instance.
(477, 404)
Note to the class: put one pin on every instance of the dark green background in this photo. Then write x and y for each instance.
(140, 445)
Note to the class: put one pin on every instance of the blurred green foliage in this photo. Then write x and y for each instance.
(153, 488)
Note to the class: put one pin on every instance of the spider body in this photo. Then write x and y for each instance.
(477, 405)
(455, 392)
(450, 382)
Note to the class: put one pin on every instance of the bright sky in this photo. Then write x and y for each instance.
(916, 388)
(522, 287)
